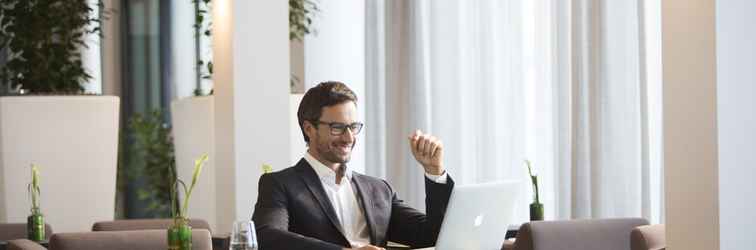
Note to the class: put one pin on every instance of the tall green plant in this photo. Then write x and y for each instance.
(300, 18)
(202, 9)
(152, 159)
(43, 40)
(182, 212)
(534, 181)
(34, 190)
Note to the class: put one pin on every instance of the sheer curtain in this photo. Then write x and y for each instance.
(504, 81)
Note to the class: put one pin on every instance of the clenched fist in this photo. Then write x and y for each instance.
(428, 151)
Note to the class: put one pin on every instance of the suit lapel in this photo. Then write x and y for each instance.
(313, 183)
(363, 194)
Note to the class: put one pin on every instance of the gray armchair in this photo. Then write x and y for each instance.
(145, 224)
(12, 231)
(124, 240)
(594, 234)
(24, 244)
(651, 237)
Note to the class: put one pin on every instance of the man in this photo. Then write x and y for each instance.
(320, 204)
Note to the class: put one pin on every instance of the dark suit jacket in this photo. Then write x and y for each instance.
(294, 212)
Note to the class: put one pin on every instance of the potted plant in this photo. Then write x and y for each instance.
(42, 40)
(180, 233)
(536, 208)
(35, 223)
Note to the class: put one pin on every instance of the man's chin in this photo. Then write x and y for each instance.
(342, 159)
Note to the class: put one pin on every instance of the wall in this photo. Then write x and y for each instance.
(111, 49)
(336, 51)
(736, 99)
(251, 55)
(690, 129)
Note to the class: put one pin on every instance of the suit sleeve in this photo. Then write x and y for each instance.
(271, 218)
(411, 227)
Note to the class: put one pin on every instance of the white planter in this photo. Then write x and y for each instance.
(193, 135)
(74, 140)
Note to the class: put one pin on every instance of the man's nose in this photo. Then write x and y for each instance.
(348, 135)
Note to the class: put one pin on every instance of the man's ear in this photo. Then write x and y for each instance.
(309, 129)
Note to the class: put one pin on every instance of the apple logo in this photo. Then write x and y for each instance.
(478, 220)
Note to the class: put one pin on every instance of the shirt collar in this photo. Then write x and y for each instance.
(324, 172)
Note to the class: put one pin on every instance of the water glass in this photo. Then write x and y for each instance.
(243, 236)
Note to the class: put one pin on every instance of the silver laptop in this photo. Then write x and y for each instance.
(478, 216)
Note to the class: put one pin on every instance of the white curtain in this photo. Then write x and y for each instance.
(611, 166)
(504, 81)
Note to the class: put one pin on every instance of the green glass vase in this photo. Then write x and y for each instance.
(536, 211)
(35, 227)
(180, 235)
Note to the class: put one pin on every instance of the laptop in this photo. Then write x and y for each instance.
(478, 216)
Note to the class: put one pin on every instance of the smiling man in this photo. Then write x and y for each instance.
(321, 204)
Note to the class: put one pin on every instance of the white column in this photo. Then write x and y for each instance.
(337, 52)
(90, 55)
(690, 125)
(736, 98)
(183, 55)
(251, 51)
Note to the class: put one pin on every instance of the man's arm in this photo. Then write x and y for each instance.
(271, 219)
(411, 227)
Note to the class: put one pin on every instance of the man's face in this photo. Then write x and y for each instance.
(326, 147)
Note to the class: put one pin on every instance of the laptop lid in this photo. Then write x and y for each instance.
(478, 216)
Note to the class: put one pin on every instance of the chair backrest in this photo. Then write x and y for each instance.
(651, 237)
(145, 224)
(125, 240)
(593, 234)
(12, 231)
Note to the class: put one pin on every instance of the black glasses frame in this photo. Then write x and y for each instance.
(338, 128)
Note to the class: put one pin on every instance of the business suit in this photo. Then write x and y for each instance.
(293, 212)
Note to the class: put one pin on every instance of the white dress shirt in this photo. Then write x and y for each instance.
(344, 200)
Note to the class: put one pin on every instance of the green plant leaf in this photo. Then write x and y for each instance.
(267, 168)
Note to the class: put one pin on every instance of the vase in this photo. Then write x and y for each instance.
(35, 227)
(536, 211)
(180, 235)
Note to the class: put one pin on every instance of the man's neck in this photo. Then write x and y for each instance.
(331, 165)
(338, 168)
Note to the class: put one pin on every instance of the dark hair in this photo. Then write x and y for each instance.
(324, 94)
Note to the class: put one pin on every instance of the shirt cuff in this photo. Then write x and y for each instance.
(440, 179)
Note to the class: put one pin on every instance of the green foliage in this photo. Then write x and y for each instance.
(34, 189)
(182, 213)
(300, 18)
(152, 159)
(300, 23)
(534, 181)
(202, 10)
(267, 169)
(43, 39)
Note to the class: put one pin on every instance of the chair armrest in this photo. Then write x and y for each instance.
(24, 244)
(650, 237)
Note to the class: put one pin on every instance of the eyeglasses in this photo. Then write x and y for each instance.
(338, 128)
